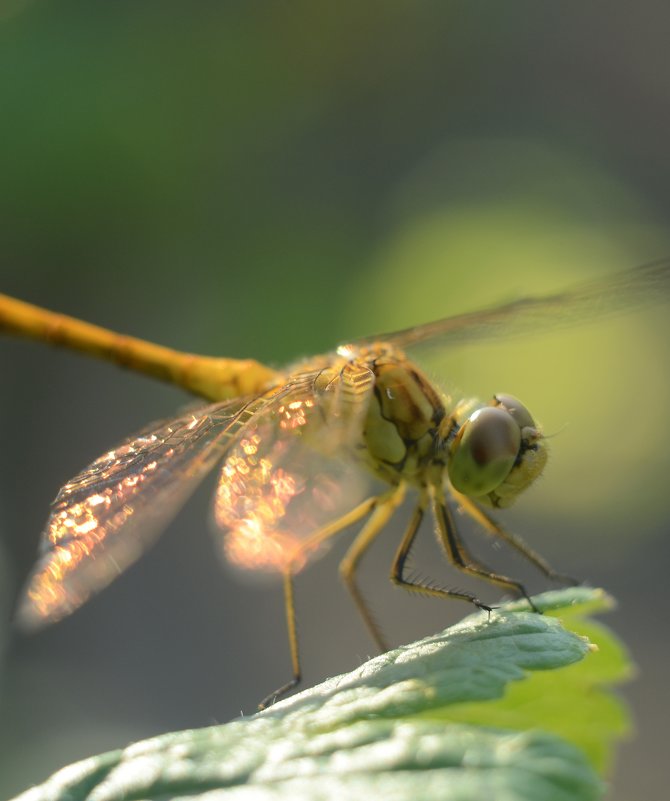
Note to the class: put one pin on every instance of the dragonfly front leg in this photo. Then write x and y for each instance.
(490, 525)
(423, 587)
(461, 558)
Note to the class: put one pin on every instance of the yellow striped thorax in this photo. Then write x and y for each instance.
(413, 433)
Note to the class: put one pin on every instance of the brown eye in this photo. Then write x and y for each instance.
(515, 408)
(484, 451)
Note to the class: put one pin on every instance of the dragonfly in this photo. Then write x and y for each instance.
(294, 447)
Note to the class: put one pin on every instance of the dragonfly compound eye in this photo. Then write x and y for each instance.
(484, 451)
(514, 406)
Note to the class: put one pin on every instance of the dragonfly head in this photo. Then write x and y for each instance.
(497, 452)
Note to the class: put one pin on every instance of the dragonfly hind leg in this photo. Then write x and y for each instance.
(289, 604)
(310, 544)
(385, 508)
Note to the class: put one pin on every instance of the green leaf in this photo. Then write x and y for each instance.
(573, 703)
(507, 708)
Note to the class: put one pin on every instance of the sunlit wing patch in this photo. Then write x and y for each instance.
(294, 470)
(108, 515)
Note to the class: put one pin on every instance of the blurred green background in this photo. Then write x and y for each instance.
(270, 179)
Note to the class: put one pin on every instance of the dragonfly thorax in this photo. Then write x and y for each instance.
(402, 422)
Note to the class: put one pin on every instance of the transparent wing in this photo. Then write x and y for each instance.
(625, 290)
(297, 468)
(108, 515)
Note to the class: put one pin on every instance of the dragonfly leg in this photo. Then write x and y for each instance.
(312, 542)
(385, 508)
(289, 604)
(490, 525)
(461, 558)
(423, 587)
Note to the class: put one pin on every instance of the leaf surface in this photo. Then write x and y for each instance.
(513, 708)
